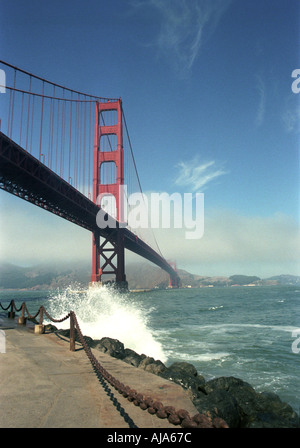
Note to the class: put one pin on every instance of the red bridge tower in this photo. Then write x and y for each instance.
(173, 281)
(108, 256)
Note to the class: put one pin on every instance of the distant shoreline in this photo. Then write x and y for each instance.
(139, 276)
(139, 290)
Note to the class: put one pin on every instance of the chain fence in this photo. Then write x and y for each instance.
(179, 417)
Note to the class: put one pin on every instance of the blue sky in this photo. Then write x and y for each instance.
(206, 89)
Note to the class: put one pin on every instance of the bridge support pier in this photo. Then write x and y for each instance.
(96, 272)
(111, 253)
(173, 280)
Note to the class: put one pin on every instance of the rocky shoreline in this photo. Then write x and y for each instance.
(228, 398)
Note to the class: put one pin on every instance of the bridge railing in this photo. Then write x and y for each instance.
(176, 417)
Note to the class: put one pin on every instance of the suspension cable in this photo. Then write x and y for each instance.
(137, 175)
(54, 84)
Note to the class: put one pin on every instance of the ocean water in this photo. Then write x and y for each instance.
(252, 333)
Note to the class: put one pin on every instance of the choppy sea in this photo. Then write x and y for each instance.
(252, 333)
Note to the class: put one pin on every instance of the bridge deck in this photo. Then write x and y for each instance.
(44, 385)
(23, 175)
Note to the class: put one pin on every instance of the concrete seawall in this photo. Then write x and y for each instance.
(45, 385)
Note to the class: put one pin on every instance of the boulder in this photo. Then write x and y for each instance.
(219, 404)
(271, 412)
(185, 367)
(146, 361)
(151, 365)
(155, 367)
(133, 358)
(65, 333)
(240, 405)
(227, 398)
(186, 375)
(143, 362)
(112, 347)
(49, 328)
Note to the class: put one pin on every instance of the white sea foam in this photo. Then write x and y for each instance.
(213, 308)
(205, 357)
(104, 312)
(225, 327)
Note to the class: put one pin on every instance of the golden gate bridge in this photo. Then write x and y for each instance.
(62, 150)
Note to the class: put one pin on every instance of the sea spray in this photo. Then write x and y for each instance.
(104, 312)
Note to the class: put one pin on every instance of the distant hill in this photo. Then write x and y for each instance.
(243, 279)
(286, 279)
(139, 276)
(41, 277)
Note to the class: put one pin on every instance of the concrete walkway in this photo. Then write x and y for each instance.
(45, 385)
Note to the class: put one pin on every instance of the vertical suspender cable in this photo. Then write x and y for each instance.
(84, 144)
(80, 146)
(62, 137)
(31, 133)
(11, 108)
(41, 128)
(90, 149)
(28, 114)
(21, 125)
(70, 140)
(57, 133)
(52, 126)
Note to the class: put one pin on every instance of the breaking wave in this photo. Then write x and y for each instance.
(104, 312)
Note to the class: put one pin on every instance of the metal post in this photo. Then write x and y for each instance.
(22, 319)
(40, 328)
(11, 313)
(72, 332)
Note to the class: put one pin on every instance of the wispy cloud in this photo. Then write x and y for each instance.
(185, 24)
(196, 176)
(261, 88)
(291, 115)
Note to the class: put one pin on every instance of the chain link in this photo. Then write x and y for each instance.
(176, 417)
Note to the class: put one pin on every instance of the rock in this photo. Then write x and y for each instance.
(112, 347)
(133, 358)
(144, 363)
(271, 412)
(187, 376)
(241, 406)
(151, 365)
(184, 367)
(90, 341)
(219, 404)
(65, 333)
(226, 383)
(222, 399)
(49, 328)
(155, 367)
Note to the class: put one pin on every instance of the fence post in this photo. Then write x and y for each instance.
(40, 328)
(22, 319)
(72, 332)
(11, 313)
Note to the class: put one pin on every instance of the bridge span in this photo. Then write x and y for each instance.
(24, 176)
